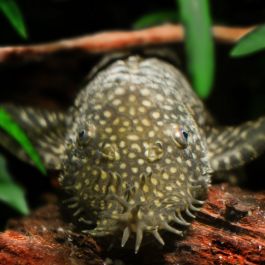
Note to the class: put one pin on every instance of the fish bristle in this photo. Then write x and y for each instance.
(139, 237)
(125, 236)
(158, 237)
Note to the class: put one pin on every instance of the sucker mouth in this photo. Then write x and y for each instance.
(136, 218)
(143, 205)
(135, 223)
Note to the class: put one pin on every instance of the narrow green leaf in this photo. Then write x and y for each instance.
(10, 193)
(14, 130)
(195, 16)
(14, 196)
(155, 18)
(12, 12)
(253, 42)
(4, 175)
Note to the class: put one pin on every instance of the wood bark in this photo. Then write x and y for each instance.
(115, 40)
(229, 229)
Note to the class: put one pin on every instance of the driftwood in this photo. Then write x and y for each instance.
(115, 40)
(229, 229)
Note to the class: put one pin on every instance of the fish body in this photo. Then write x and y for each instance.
(135, 156)
(137, 149)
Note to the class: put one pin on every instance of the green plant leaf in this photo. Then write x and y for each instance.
(12, 12)
(252, 42)
(10, 193)
(155, 18)
(195, 16)
(14, 130)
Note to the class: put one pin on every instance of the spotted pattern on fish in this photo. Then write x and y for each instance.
(137, 149)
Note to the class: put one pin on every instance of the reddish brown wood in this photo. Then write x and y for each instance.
(230, 34)
(110, 41)
(44, 239)
(229, 229)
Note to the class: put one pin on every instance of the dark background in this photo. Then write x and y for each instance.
(239, 87)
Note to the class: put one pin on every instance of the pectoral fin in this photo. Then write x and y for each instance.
(232, 147)
(45, 129)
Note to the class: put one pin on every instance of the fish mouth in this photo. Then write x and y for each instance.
(134, 224)
(141, 208)
(138, 218)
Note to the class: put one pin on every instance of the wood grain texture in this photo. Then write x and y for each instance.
(229, 229)
(103, 42)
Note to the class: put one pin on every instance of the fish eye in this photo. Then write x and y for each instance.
(185, 134)
(82, 134)
(180, 137)
(85, 134)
